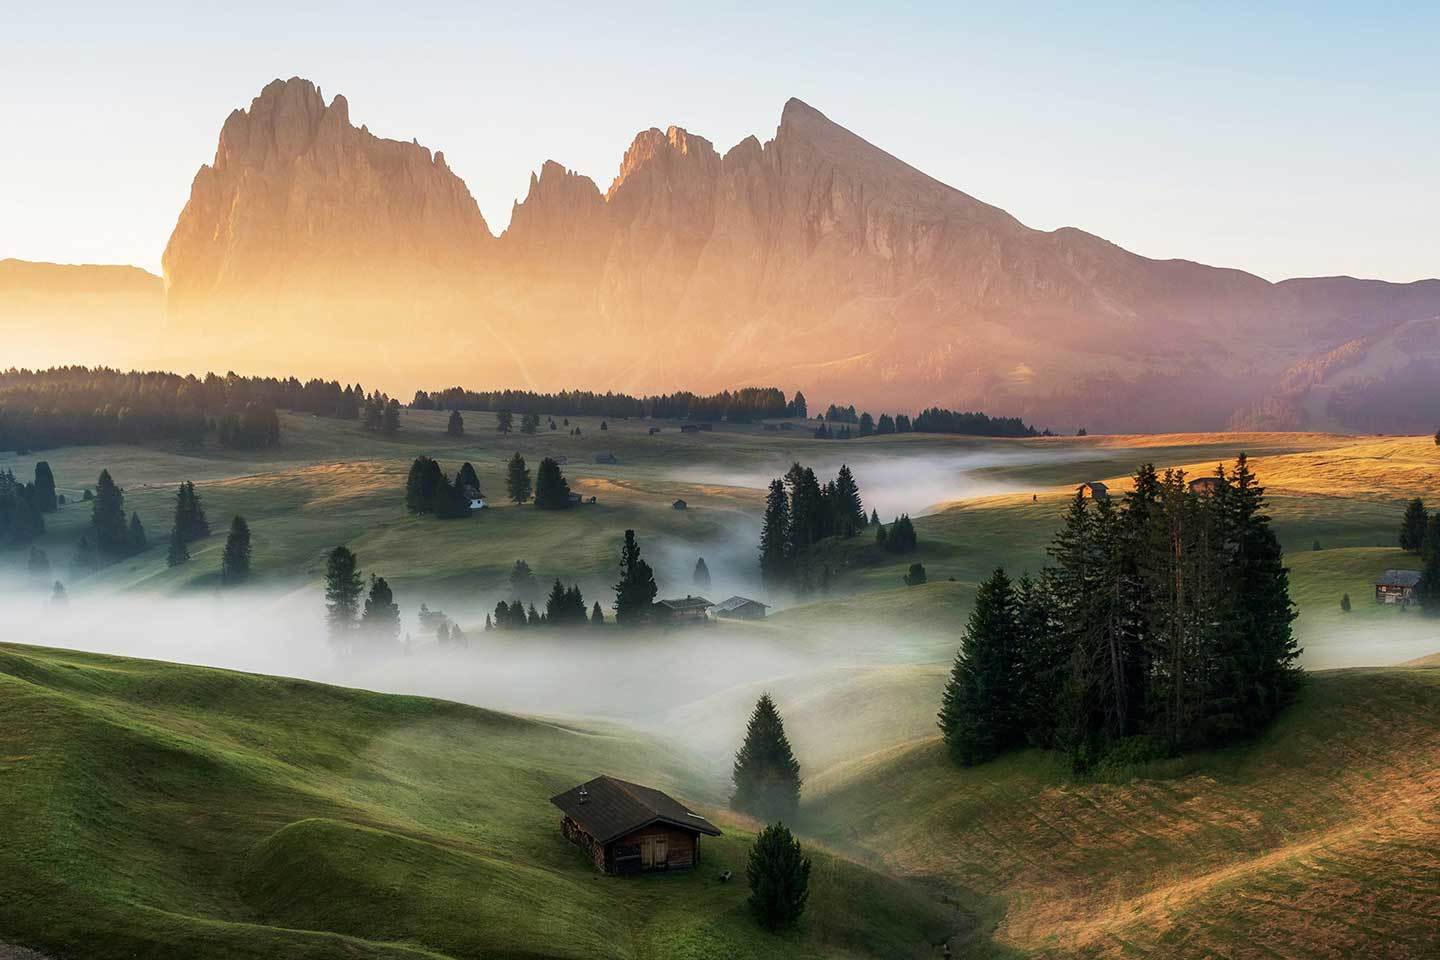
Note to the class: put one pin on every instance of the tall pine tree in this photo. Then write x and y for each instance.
(980, 709)
(766, 774)
(235, 560)
(635, 593)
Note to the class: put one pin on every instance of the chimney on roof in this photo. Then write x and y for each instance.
(584, 795)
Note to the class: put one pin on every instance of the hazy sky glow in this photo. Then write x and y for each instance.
(1296, 140)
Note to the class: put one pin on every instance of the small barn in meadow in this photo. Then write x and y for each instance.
(1094, 490)
(683, 609)
(689, 428)
(680, 505)
(739, 608)
(1397, 586)
(628, 828)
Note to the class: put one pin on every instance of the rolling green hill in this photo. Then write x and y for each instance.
(155, 810)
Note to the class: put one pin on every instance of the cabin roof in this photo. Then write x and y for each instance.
(687, 603)
(612, 808)
(735, 603)
(1095, 487)
(1398, 578)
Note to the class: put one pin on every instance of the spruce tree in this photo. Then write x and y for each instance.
(850, 512)
(523, 584)
(1412, 527)
(466, 479)
(390, 423)
(504, 421)
(381, 620)
(455, 427)
(635, 593)
(551, 490)
(915, 577)
(766, 774)
(701, 577)
(421, 485)
(44, 498)
(517, 479)
(178, 552)
(779, 876)
(235, 560)
(774, 536)
(597, 616)
(1427, 591)
(978, 712)
(190, 517)
(107, 518)
(136, 535)
(343, 587)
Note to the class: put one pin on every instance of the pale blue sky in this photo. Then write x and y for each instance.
(1299, 139)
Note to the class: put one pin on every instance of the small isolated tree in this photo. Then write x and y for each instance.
(178, 552)
(455, 427)
(381, 619)
(517, 479)
(702, 575)
(1345, 602)
(136, 536)
(597, 616)
(390, 425)
(916, 576)
(1412, 527)
(551, 490)
(107, 517)
(343, 587)
(58, 596)
(504, 421)
(523, 585)
(235, 561)
(635, 593)
(766, 774)
(779, 875)
(190, 517)
(44, 497)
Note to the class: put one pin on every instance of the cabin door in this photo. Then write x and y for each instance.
(653, 852)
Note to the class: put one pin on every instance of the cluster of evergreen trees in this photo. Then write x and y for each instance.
(799, 513)
(358, 621)
(564, 607)
(428, 489)
(1420, 533)
(23, 505)
(111, 537)
(190, 524)
(933, 420)
(550, 489)
(899, 538)
(380, 414)
(447, 632)
(83, 405)
(744, 405)
(1161, 624)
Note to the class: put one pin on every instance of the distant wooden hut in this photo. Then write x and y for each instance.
(683, 609)
(1397, 586)
(739, 608)
(1094, 490)
(1204, 486)
(680, 505)
(689, 428)
(628, 828)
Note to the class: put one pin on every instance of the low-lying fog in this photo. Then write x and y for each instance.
(914, 483)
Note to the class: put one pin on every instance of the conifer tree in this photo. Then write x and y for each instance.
(775, 535)
(136, 535)
(190, 517)
(390, 420)
(529, 422)
(44, 498)
(1427, 591)
(701, 577)
(1412, 527)
(381, 619)
(467, 479)
(597, 616)
(850, 512)
(107, 518)
(517, 479)
(178, 551)
(422, 484)
(523, 585)
(779, 876)
(551, 490)
(343, 587)
(635, 593)
(455, 426)
(235, 560)
(979, 706)
(504, 421)
(875, 518)
(766, 774)
(916, 575)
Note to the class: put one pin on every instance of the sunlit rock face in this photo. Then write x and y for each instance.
(814, 260)
(300, 202)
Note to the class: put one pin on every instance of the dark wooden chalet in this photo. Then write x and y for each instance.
(739, 608)
(627, 828)
(683, 609)
(1397, 586)
(1204, 486)
(1094, 490)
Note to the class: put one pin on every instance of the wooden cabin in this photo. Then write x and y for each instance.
(683, 609)
(739, 608)
(1094, 490)
(689, 428)
(628, 828)
(1397, 586)
(680, 505)
(1204, 486)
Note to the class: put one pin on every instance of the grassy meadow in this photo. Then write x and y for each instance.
(166, 810)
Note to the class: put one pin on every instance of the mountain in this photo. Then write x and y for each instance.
(814, 260)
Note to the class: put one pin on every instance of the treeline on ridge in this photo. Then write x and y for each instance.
(738, 406)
